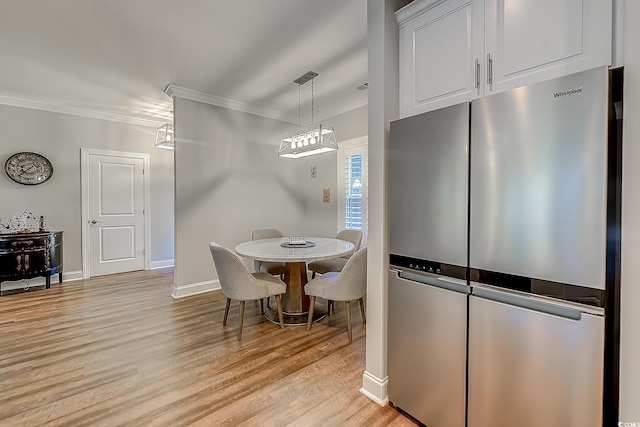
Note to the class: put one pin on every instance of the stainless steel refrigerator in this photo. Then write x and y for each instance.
(504, 255)
(428, 243)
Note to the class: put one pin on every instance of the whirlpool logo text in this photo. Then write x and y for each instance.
(623, 424)
(567, 93)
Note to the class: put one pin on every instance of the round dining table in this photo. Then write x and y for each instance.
(295, 303)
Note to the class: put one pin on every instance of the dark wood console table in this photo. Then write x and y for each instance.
(29, 255)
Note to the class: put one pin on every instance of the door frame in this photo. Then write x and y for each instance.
(85, 153)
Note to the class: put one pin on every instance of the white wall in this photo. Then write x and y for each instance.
(59, 137)
(230, 181)
(630, 286)
(349, 125)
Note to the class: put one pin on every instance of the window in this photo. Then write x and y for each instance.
(352, 186)
(353, 191)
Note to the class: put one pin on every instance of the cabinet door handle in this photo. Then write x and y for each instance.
(477, 73)
(26, 262)
(489, 69)
(19, 263)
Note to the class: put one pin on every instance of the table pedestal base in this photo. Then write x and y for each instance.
(295, 300)
(294, 319)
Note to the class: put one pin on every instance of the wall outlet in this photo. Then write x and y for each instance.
(326, 195)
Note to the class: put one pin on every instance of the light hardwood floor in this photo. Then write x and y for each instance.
(118, 350)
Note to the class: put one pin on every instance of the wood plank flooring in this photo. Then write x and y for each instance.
(119, 350)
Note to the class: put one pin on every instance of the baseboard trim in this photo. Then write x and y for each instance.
(40, 281)
(375, 388)
(194, 288)
(164, 263)
(72, 276)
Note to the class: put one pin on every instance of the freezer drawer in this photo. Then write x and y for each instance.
(427, 350)
(531, 368)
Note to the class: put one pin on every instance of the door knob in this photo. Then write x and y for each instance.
(93, 221)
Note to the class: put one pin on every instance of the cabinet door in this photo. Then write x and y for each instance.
(531, 41)
(34, 262)
(10, 264)
(438, 52)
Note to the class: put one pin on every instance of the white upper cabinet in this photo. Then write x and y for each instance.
(438, 51)
(455, 50)
(530, 41)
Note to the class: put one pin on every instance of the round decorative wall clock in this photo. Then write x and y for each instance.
(28, 168)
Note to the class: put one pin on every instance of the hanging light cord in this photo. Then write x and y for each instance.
(311, 101)
(298, 105)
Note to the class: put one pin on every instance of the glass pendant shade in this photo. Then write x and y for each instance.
(164, 137)
(313, 140)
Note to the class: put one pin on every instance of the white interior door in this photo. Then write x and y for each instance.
(115, 213)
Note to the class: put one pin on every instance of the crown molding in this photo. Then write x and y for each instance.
(171, 91)
(176, 91)
(75, 111)
(414, 8)
(349, 107)
(194, 95)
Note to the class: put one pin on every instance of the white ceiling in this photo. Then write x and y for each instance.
(114, 58)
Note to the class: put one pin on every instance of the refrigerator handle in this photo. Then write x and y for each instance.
(447, 283)
(489, 69)
(531, 303)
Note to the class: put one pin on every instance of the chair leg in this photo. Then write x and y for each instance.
(312, 304)
(362, 310)
(329, 307)
(240, 320)
(349, 331)
(313, 275)
(280, 314)
(226, 312)
(261, 305)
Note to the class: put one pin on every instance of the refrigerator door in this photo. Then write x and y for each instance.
(533, 363)
(428, 185)
(427, 334)
(538, 180)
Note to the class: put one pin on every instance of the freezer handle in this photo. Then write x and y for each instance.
(448, 283)
(530, 303)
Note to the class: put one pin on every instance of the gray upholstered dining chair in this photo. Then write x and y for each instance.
(275, 268)
(337, 264)
(348, 285)
(239, 284)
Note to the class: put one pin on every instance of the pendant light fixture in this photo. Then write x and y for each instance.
(314, 139)
(164, 137)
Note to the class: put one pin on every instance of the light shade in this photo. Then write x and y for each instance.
(164, 137)
(313, 140)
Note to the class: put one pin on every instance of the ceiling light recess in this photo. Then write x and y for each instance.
(315, 139)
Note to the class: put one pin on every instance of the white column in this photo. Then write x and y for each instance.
(383, 107)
